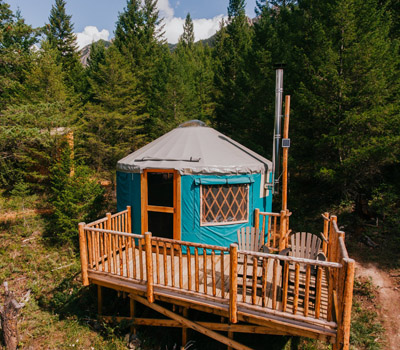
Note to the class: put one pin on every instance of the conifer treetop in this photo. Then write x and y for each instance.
(187, 38)
(60, 30)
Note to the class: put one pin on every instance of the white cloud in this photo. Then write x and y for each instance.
(165, 9)
(89, 35)
(203, 27)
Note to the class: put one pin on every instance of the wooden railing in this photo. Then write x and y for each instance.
(292, 278)
(340, 283)
(306, 290)
(197, 268)
(120, 221)
(117, 253)
(274, 227)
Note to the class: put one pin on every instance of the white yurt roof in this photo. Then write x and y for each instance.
(194, 148)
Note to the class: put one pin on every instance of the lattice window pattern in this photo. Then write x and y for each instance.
(224, 203)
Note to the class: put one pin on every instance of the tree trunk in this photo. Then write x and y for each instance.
(9, 318)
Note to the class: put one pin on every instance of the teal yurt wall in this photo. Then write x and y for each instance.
(128, 193)
(203, 158)
(223, 235)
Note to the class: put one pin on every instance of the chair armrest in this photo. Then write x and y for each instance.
(323, 237)
(321, 257)
(288, 233)
(285, 252)
(265, 249)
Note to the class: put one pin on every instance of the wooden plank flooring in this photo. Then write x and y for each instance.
(175, 277)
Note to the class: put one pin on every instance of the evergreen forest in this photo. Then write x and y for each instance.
(342, 71)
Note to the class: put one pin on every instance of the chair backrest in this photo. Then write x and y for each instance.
(250, 239)
(305, 245)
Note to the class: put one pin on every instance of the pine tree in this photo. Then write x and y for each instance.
(113, 123)
(187, 38)
(74, 198)
(97, 56)
(61, 38)
(231, 77)
(341, 73)
(16, 39)
(45, 79)
(138, 37)
(189, 84)
(60, 34)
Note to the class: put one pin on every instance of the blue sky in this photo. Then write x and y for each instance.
(95, 19)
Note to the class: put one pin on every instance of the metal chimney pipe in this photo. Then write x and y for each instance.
(277, 126)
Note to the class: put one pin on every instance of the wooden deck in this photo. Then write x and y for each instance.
(168, 279)
(281, 295)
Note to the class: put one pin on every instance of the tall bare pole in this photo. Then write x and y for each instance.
(285, 153)
(277, 126)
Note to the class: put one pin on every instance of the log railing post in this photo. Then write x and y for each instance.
(149, 267)
(129, 214)
(332, 240)
(257, 219)
(326, 234)
(233, 254)
(343, 331)
(108, 215)
(83, 253)
(287, 228)
(282, 229)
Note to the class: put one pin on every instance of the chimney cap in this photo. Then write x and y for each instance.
(279, 65)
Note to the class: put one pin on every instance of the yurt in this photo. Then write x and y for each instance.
(194, 184)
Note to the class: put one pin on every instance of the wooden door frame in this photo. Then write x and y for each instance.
(175, 210)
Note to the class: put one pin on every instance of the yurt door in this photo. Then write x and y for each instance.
(161, 190)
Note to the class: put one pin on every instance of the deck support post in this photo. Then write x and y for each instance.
(230, 336)
(233, 253)
(193, 325)
(132, 309)
(185, 313)
(99, 300)
(83, 254)
(129, 218)
(149, 266)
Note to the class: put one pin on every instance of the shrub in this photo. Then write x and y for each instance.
(75, 197)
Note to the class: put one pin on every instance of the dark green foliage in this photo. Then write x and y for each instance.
(74, 198)
(29, 142)
(342, 71)
(16, 38)
(190, 83)
(113, 123)
(231, 79)
(138, 37)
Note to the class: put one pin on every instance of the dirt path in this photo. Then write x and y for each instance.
(388, 298)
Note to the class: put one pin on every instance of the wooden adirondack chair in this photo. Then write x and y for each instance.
(250, 239)
(307, 246)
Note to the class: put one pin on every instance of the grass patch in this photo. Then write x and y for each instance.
(61, 314)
